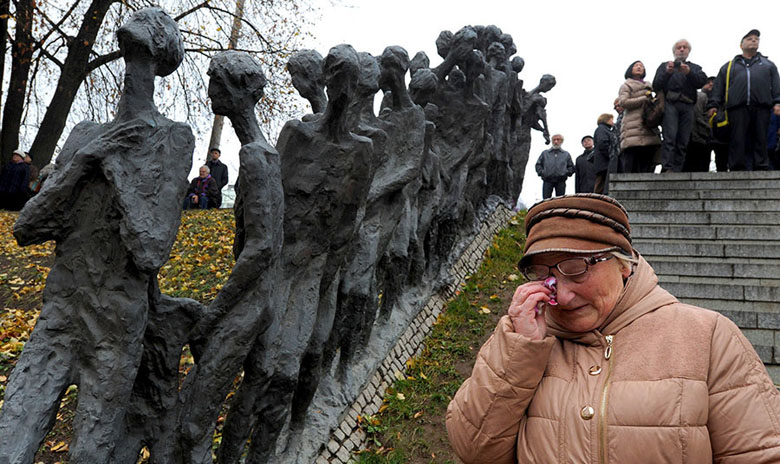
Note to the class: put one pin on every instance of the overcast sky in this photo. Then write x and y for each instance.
(586, 45)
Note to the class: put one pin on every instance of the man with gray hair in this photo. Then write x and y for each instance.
(554, 166)
(678, 80)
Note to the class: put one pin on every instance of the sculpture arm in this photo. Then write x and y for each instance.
(45, 215)
(263, 210)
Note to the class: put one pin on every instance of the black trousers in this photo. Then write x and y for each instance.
(698, 157)
(547, 188)
(721, 155)
(677, 126)
(639, 159)
(747, 138)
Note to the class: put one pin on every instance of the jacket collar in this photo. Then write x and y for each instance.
(641, 295)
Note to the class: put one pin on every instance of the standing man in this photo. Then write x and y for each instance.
(699, 149)
(554, 166)
(754, 94)
(584, 169)
(218, 171)
(678, 80)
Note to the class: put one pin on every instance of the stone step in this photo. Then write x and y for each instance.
(752, 268)
(750, 281)
(668, 185)
(707, 232)
(634, 206)
(710, 248)
(715, 218)
(684, 176)
(746, 314)
(720, 291)
(747, 194)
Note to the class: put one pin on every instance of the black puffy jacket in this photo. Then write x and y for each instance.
(753, 81)
(605, 142)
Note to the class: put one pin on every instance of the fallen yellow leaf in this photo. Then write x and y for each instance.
(60, 447)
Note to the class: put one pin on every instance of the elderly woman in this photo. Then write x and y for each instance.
(605, 365)
(638, 142)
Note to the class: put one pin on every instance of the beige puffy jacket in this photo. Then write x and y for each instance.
(661, 382)
(632, 132)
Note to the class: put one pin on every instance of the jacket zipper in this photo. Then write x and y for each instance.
(604, 395)
(747, 67)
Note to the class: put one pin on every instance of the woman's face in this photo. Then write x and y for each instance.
(638, 69)
(586, 304)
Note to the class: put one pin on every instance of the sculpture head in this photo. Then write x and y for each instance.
(423, 85)
(518, 64)
(508, 43)
(464, 41)
(393, 64)
(457, 79)
(305, 68)
(419, 61)
(236, 81)
(368, 81)
(152, 33)
(443, 42)
(340, 71)
(496, 53)
(489, 35)
(546, 83)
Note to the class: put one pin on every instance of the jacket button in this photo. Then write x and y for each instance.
(587, 413)
(594, 370)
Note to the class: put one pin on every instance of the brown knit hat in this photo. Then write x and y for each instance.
(580, 223)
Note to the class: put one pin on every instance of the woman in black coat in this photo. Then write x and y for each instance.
(605, 141)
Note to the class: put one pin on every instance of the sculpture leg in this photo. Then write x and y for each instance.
(36, 386)
(116, 320)
(274, 409)
(312, 362)
(243, 414)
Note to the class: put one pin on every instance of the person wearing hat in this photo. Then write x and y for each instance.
(753, 94)
(604, 365)
(219, 172)
(584, 169)
(14, 181)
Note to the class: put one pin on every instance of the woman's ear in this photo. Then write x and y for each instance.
(625, 269)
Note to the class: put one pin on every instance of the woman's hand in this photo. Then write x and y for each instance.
(526, 320)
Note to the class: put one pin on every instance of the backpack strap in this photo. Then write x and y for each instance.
(725, 104)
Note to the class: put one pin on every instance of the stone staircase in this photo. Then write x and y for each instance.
(714, 241)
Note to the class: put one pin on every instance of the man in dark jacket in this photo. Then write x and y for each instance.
(202, 192)
(584, 169)
(218, 171)
(554, 166)
(754, 93)
(14, 182)
(678, 80)
(699, 150)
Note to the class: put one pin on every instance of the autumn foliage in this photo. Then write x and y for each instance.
(200, 263)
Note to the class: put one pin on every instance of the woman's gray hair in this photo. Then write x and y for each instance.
(626, 260)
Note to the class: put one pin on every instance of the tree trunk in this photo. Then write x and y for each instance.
(21, 59)
(219, 120)
(4, 12)
(74, 71)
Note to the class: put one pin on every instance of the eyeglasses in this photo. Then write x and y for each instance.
(573, 268)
